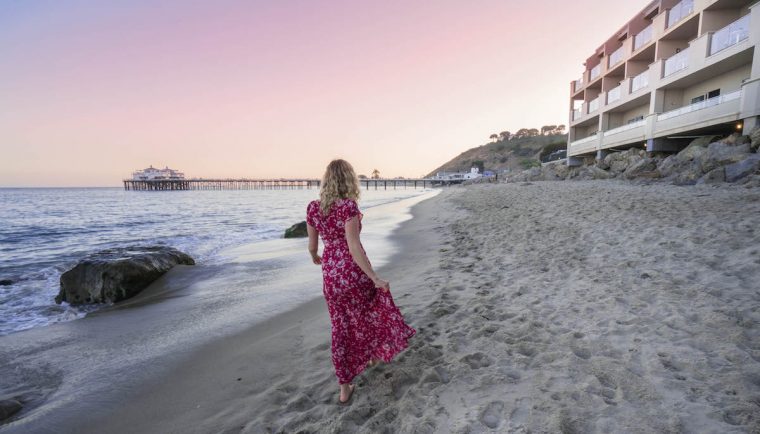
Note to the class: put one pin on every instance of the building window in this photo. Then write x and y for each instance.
(700, 98)
(713, 93)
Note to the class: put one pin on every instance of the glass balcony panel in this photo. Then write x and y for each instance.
(616, 57)
(679, 11)
(700, 105)
(595, 71)
(614, 94)
(677, 63)
(593, 105)
(576, 114)
(627, 127)
(643, 37)
(578, 85)
(730, 35)
(640, 81)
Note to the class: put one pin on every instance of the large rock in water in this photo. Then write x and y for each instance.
(117, 274)
(298, 230)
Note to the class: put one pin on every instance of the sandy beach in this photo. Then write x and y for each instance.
(574, 307)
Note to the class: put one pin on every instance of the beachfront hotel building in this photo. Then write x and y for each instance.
(676, 70)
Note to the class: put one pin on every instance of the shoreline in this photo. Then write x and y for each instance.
(249, 269)
(536, 311)
(221, 385)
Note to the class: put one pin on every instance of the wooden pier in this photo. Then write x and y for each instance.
(271, 184)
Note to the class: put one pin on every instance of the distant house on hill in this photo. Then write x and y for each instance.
(457, 176)
(153, 174)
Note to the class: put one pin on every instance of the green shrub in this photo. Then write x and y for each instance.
(528, 163)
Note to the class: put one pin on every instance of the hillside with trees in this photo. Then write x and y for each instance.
(514, 151)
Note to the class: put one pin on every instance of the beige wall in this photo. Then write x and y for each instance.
(667, 48)
(673, 99)
(727, 83)
(583, 132)
(642, 110)
(716, 20)
(618, 119)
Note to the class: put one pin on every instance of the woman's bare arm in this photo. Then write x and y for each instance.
(355, 247)
(313, 244)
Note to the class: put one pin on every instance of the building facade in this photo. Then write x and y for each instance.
(677, 70)
(153, 174)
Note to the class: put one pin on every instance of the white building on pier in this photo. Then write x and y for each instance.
(153, 174)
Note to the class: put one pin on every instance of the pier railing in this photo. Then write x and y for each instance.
(272, 184)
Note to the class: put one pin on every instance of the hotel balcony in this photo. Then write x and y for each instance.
(593, 105)
(720, 109)
(643, 37)
(616, 57)
(730, 35)
(614, 94)
(680, 11)
(640, 81)
(584, 146)
(577, 86)
(676, 63)
(595, 73)
(624, 135)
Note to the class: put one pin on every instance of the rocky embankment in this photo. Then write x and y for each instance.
(707, 160)
(117, 274)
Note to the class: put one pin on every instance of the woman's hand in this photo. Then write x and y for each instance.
(381, 284)
(316, 259)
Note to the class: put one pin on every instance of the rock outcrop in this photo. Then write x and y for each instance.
(117, 274)
(298, 230)
(706, 160)
(6, 282)
(9, 407)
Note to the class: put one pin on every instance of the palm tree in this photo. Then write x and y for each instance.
(494, 137)
(375, 174)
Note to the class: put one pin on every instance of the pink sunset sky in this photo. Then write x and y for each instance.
(92, 90)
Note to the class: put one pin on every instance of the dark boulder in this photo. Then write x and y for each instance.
(6, 282)
(754, 138)
(739, 170)
(298, 230)
(9, 407)
(117, 274)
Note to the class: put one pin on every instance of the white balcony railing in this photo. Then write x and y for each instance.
(576, 114)
(700, 105)
(584, 145)
(614, 94)
(626, 127)
(678, 62)
(593, 105)
(643, 37)
(640, 81)
(730, 35)
(679, 11)
(578, 85)
(595, 72)
(615, 57)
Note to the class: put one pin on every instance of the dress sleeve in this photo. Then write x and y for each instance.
(311, 213)
(349, 210)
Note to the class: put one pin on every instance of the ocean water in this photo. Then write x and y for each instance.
(44, 232)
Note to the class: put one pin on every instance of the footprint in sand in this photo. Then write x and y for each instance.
(491, 415)
(477, 360)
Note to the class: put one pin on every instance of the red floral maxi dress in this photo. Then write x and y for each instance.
(366, 323)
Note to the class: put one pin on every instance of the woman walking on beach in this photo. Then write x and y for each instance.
(367, 327)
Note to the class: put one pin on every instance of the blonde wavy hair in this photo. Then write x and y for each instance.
(339, 182)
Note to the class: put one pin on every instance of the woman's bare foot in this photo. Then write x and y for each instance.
(346, 391)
